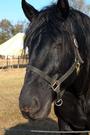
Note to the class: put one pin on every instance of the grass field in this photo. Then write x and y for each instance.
(10, 84)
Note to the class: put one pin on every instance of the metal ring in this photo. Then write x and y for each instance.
(59, 102)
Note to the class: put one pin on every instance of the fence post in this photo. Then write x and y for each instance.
(7, 64)
(18, 62)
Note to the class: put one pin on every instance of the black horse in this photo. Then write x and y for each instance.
(58, 40)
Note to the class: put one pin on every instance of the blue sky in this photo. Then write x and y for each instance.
(11, 9)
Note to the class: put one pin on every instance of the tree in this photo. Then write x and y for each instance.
(17, 28)
(80, 5)
(5, 25)
(5, 30)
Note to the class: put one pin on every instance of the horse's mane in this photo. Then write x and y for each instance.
(50, 19)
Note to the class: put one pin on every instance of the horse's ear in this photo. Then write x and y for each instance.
(29, 11)
(63, 6)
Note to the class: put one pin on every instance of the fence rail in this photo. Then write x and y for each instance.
(47, 132)
(13, 62)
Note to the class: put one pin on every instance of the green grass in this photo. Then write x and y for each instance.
(10, 85)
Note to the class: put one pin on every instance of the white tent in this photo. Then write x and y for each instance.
(13, 47)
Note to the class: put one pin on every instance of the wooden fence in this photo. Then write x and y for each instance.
(12, 62)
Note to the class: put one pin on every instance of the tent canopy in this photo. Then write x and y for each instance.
(13, 47)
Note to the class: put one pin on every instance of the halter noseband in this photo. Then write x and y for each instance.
(56, 83)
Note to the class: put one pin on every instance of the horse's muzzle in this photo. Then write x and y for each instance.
(29, 111)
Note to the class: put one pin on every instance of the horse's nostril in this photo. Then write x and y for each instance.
(35, 106)
(35, 102)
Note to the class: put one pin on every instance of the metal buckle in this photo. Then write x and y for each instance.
(59, 102)
(55, 86)
(78, 68)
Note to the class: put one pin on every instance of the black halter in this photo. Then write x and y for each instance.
(56, 83)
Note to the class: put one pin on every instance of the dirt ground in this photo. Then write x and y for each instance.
(11, 81)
